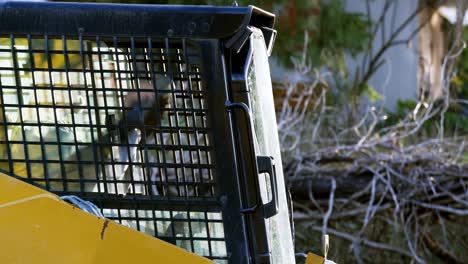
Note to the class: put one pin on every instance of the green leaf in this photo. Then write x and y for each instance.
(372, 94)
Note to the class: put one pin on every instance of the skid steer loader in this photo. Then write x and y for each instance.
(157, 119)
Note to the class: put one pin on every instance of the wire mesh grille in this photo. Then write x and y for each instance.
(199, 232)
(113, 118)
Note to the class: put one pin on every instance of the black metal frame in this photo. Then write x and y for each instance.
(201, 49)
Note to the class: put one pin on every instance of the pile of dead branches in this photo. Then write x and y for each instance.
(385, 193)
(380, 190)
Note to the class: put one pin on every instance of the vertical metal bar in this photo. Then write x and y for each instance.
(148, 167)
(145, 138)
(200, 98)
(16, 70)
(98, 118)
(121, 95)
(158, 132)
(135, 84)
(166, 191)
(36, 100)
(176, 118)
(19, 93)
(135, 71)
(97, 145)
(183, 59)
(54, 107)
(77, 166)
(57, 130)
(184, 114)
(88, 104)
(5, 128)
(248, 236)
(172, 225)
(241, 168)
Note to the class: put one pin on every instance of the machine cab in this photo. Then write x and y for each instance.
(162, 116)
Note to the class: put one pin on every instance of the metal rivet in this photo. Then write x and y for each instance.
(223, 199)
(170, 33)
(191, 26)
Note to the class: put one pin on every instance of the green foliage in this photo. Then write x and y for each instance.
(342, 31)
(404, 107)
(459, 83)
(457, 122)
(456, 118)
(372, 94)
(331, 31)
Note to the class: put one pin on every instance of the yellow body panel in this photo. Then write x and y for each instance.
(314, 259)
(38, 227)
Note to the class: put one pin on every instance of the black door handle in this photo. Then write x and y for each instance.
(266, 164)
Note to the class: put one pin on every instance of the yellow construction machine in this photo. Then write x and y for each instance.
(38, 227)
(139, 134)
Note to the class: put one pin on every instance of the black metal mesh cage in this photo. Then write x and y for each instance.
(121, 121)
(127, 106)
